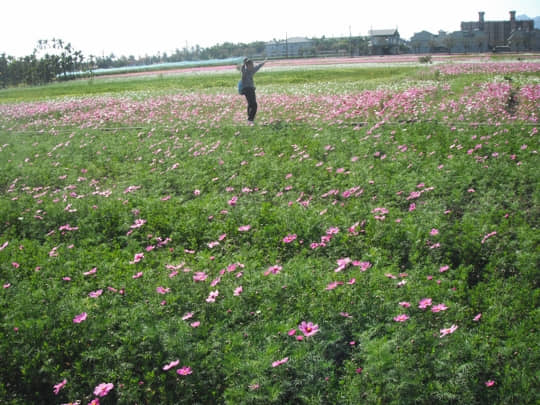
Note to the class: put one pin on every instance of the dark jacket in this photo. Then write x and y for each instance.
(247, 75)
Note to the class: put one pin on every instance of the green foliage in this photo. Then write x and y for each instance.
(180, 192)
(425, 59)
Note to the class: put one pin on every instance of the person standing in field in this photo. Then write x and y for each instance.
(248, 87)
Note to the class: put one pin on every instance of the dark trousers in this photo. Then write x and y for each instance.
(249, 92)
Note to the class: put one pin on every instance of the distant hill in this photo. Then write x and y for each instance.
(535, 19)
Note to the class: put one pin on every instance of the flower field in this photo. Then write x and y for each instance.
(372, 239)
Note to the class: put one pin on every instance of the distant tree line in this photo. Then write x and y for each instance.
(54, 60)
(50, 60)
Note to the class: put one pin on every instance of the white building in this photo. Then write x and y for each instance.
(290, 47)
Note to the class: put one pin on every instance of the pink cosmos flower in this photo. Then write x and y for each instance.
(103, 389)
(162, 290)
(332, 230)
(195, 324)
(342, 264)
(80, 318)
(90, 272)
(490, 383)
(273, 270)
(185, 370)
(138, 275)
(59, 386)
(244, 228)
(438, 308)
(200, 276)
(15, 265)
(292, 332)
(308, 328)
(280, 362)
(477, 317)
(237, 291)
(352, 229)
(171, 365)
(424, 303)
(4, 245)
(401, 318)
(138, 223)
(333, 285)
(95, 401)
(448, 331)
(7, 285)
(95, 294)
(487, 236)
(363, 265)
(380, 210)
(405, 304)
(289, 238)
(442, 269)
(212, 296)
(434, 232)
(187, 316)
(137, 258)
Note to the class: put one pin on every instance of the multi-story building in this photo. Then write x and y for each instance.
(384, 42)
(497, 32)
(481, 36)
(291, 47)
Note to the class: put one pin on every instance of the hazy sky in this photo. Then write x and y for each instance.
(137, 27)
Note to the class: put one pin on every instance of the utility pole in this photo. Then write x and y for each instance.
(350, 42)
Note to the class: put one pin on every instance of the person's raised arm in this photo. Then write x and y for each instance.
(260, 65)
